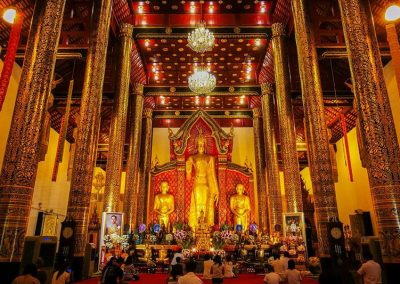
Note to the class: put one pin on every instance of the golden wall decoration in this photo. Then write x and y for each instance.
(290, 162)
(376, 124)
(274, 198)
(86, 144)
(118, 121)
(316, 129)
(22, 152)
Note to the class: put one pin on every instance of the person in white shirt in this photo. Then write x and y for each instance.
(228, 267)
(370, 270)
(207, 264)
(177, 254)
(293, 276)
(190, 277)
(271, 277)
(278, 265)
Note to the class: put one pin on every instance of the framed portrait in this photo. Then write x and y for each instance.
(293, 225)
(112, 223)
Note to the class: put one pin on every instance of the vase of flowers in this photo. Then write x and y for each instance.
(314, 265)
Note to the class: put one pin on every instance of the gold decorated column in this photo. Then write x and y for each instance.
(376, 120)
(22, 153)
(118, 121)
(132, 165)
(274, 197)
(290, 162)
(260, 169)
(86, 144)
(318, 144)
(144, 166)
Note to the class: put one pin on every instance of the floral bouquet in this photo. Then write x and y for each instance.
(314, 265)
(226, 236)
(183, 235)
(169, 237)
(217, 240)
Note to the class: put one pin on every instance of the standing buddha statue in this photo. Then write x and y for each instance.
(205, 186)
(240, 207)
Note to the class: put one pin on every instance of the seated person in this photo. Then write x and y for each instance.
(130, 271)
(177, 269)
(271, 277)
(228, 267)
(208, 263)
(190, 277)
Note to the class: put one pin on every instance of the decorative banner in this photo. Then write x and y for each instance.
(346, 143)
(10, 58)
(63, 132)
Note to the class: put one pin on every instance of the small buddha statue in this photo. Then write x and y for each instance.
(164, 204)
(240, 207)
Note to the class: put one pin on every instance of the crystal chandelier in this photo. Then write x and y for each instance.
(202, 82)
(201, 39)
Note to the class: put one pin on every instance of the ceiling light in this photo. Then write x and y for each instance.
(146, 43)
(140, 8)
(192, 7)
(9, 15)
(202, 82)
(258, 42)
(201, 39)
(392, 13)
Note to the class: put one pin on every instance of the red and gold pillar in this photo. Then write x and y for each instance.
(22, 154)
(274, 197)
(86, 144)
(145, 166)
(376, 120)
(132, 165)
(318, 144)
(291, 171)
(118, 121)
(260, 169)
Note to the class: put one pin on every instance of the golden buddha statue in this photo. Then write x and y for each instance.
(240, 207)
(164, 204)
(205, 186)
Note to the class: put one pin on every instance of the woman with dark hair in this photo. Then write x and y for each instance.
(292, 274)
(228, 267)
(130, 271)
(217, 270)
(61, 276)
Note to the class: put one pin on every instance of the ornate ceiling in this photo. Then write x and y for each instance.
(240, 60)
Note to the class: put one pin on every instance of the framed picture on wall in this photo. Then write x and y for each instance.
(293, 225)
(112, 224)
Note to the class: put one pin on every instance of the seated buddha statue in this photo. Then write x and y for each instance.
(240, 207)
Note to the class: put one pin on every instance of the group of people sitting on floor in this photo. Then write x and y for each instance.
(34, 274)
(214, 269)
(118, 271)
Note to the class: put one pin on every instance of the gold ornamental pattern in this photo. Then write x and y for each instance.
(291, 170)
(22, 152)
(274, 197)
(260, 168)
(132, 165)
(318, 144)
(86, 144)
(376, 120)
(118, 121)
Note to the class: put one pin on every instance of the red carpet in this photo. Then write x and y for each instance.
(161, 279)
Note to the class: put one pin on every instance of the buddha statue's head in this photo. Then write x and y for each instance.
(239, 188)
(200, 143)
(164, 187)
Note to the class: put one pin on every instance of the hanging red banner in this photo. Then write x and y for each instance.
(10, 58)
